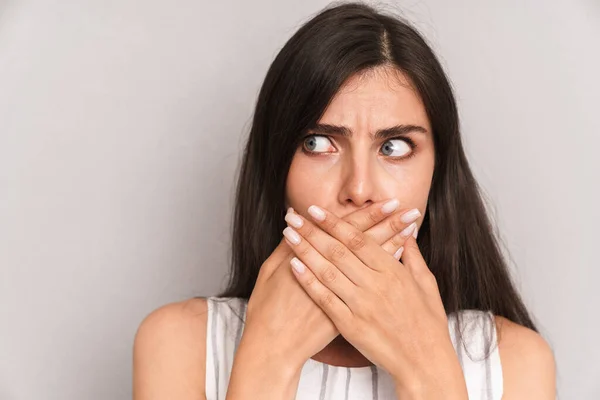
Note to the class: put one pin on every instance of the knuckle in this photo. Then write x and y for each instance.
(397, 241)
(396, 225)
(358, 307)
(326, 300)
(412, 245)
(426, 280)
(357, 241)
(309, 231)
(408, 244)
(310, 280)
(329, 275)
(337, 252)
(354, 223)
(429, 279)
(303, 251)
(332, 224)
(373, 216)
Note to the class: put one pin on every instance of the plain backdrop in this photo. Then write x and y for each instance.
(121, 125)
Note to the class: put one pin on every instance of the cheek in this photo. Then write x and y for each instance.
(412, 193)
(412, 181)
(308, 184)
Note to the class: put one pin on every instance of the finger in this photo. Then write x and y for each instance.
(394, 244)
(393, 225)
(275, 259)
(379, 220)
(413, 260)
(328, 273)
(329, 248)
(360, 245)
(332, 305)
(368, 217)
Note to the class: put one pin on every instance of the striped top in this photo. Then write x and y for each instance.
(483, 375)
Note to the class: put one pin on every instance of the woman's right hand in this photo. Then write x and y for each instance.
(282, 322)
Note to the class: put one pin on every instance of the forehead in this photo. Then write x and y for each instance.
(374, 99)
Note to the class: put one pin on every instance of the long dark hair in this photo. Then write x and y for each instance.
(457, 238)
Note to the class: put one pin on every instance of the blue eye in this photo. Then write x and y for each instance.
(395, 144)
(312, 142)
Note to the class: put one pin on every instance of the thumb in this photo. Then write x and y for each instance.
(275, 259)
(412, 257)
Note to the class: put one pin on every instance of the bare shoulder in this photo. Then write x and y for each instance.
(528, 365)
(169, 352)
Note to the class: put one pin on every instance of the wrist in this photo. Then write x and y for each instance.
(263, 372)
(431, 393)
(451, 386)
(270, 352)
(442, 379)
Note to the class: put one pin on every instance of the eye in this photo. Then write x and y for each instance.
(395, 148)
(312, 143)
(399, 145)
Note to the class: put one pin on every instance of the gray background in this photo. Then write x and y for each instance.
(121, 124)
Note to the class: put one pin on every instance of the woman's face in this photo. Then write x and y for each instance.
(349, 172)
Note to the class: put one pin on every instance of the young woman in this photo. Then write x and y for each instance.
(364, 264)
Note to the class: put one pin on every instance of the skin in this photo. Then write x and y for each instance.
(170, 346)
(351, 173)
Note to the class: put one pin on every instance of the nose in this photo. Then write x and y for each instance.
(359, 182)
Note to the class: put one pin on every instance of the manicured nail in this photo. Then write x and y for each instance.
(398, 254)
(294, 220)
(297, 265)
(409, 229)
(291, 235)
(416, 232)
(390, 206)
(410, 216)
(316, 213)
(290, 209)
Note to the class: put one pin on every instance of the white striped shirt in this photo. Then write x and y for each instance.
(320, 381)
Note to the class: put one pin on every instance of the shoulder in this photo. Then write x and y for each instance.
(169, 352)
(528, 365)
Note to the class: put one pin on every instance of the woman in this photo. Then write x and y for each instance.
(364, 264)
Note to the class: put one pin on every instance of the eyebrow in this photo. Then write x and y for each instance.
(380, 134)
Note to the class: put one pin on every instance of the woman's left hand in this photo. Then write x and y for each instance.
(390, 311)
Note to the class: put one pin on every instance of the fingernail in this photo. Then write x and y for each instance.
(398, 253)
(416, 232)
(316, 213)
(390, 206)
(409, 229)
(297, 265)
(410, 216)
(291, 235)
(290, 209)
(294, 220)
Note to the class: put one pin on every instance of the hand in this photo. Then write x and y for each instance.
(280, 313)
(391, 311)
